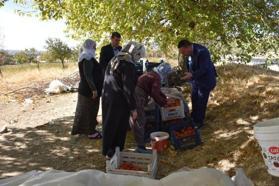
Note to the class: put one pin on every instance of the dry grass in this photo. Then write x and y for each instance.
(244, 96)
(29, 73)
(31, 79)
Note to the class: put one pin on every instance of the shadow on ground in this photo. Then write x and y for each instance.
(48, 146)
(235, 106)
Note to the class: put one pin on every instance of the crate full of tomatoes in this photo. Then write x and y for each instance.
(131, 163)
(184, 135)
(174, 109)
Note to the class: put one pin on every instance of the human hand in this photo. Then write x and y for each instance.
(94, 94)
(134, 115)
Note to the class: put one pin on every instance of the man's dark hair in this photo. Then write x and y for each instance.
(184, 43)
(115, 34)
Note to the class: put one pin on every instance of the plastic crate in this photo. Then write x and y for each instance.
(147, 162)
(187, 140)
(153, 120)
(152, 113)
(173, 112)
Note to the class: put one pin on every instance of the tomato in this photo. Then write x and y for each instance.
(184, 132)
(172, 102)
(129, 166)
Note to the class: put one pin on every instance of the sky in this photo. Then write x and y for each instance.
(21, 32)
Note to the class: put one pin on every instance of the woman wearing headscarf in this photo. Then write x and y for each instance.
(118, 102)
(148, 85)
(89, 92)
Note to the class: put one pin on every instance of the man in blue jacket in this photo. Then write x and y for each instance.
(202, 75)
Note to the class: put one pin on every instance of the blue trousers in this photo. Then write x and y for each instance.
(199, 98)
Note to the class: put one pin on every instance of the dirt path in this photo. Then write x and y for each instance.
(41, 111)
(39, 135)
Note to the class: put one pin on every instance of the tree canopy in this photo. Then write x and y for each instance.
(250, 26)
(32, 55)
(2, 2)
(5, 58)
(26, 56)
(58, 50)
(21, 57)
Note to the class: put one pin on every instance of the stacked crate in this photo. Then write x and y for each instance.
(173, 110)
(173, 118)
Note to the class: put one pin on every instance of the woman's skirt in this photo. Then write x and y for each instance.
(86, 115)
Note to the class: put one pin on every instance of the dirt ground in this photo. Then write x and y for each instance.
(39, 138)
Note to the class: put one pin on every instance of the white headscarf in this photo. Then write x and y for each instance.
(88, 50)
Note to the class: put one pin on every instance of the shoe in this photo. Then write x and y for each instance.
(95, 135)
(143, 150)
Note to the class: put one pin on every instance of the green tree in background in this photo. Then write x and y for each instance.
(32, 56)
(5, 58)
(58, 50)
(75, 54)
(21, 57)
(26, 56)
(239, 27)
(46, 57)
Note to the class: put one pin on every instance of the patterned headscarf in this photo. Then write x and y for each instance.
(131, 52)
(135, 50)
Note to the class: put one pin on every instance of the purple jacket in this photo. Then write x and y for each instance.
(150, 82)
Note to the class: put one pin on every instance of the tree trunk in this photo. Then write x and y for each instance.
(63, 65)
(38, 65)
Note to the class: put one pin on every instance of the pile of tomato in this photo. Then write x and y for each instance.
(172, 102)
(130, 166)
(189, 131)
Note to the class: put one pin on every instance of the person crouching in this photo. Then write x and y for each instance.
(149, 84)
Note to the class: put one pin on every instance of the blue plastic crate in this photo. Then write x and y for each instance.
(187, 142)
